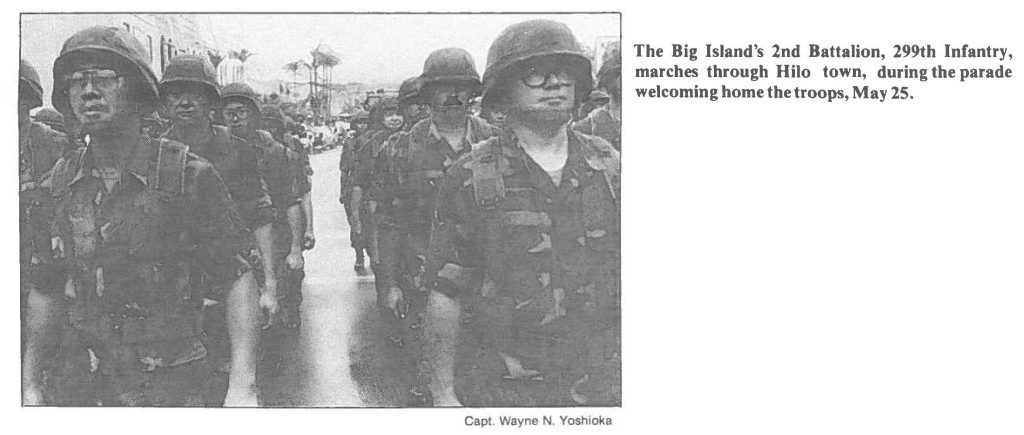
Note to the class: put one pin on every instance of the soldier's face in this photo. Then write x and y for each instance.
(450, 101)
(414, 111)
(543, 86)
(99, 97)
(393, 120)
(186, 104)
(240, 117)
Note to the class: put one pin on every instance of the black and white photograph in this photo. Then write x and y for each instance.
(350, 210)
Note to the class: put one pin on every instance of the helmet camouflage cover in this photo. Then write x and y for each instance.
(531, 40)
(192, 68)
(108, 46)
(27, 76)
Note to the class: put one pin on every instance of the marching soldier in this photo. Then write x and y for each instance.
(412, 108)
(605, 121)
(276, 123)
(526, 240)
(190, 93)
(416, 162)
(39, 147)
(385, 120)
(281, 169)
(134, 217)
(355, 206)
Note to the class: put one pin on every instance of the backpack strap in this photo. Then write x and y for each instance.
(170, 167)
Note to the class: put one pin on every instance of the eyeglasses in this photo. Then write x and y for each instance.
(539, 77)
(100, 78)
(237, 113)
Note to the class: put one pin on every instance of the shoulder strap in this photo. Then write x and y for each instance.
(485, 161)
(169, 175)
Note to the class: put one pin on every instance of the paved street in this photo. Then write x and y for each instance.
(344, 357)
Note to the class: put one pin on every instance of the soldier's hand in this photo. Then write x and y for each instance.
(357, 226)
(308, 241)
(269, 304)
(394, 301)
(294, 261)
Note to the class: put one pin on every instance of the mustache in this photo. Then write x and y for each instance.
(95, 107)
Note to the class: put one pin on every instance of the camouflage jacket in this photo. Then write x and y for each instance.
(236, 162)
(128, 254)
(536, 258)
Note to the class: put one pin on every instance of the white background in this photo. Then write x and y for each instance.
(792, 267)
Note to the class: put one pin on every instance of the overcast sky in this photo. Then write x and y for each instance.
(379, 48)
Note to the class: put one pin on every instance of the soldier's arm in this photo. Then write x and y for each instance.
(306, 204)
(43, 319)
(450, 273)
(387, 233)
(223, 245)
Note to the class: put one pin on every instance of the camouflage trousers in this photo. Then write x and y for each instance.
(93, 372)
(581, 371)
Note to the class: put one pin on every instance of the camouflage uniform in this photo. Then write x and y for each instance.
(136, 319)
(534, 263)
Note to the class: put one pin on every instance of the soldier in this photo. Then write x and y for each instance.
(416, 162)
(286, 182)
(282, 170)
(190, 92)
(39, 147)
(605, 121)
(412, 107)
(526, 239)
(348, 165)
(277, 124)
(133, 217)
(385, 119)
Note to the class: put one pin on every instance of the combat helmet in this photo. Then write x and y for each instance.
(270, 114)
(108, 45)
(51, 118)
(449, 65)
(409, 92)
(376, 117)
(29, 78)
(530, 40)
(194, 69)
(240, 91)
(611, 63)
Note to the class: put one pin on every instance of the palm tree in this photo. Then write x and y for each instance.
(294, 68)
(216, 58)
(242, 56)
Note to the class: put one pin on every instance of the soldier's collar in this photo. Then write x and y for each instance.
(436, 134)
(510, 148)
(138, 163)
